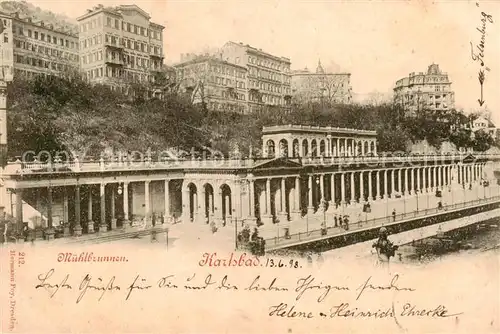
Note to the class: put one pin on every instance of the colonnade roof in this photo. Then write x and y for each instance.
(309, 129)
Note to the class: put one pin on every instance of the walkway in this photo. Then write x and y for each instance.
(309, 227)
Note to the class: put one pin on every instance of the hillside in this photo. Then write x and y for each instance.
(26, 9)
(68, 114)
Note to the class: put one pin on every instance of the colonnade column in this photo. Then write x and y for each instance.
(218, 219)
(342, 189)
(19, 210)
(338, 146)
(126, 221)
(419, 186)
(400, 172)
(166, 200)
(147, 206)
(407, 173)
(112, 204)
(434, 178)
(201, 204)
(361, 188)
(90, 224)
(65, 212)
(322, 186)
(412, 186)
(310, 206)
(185, 202)
(378, 184)
(283, 213)
(77, 230)
(370, 186)
(393, 182)
(353, 194)
(103, 226)
(297, 212)
(333, 203)
(439, 184)
(50, 224)
(385, 184)
(251, 194)
(429, 187)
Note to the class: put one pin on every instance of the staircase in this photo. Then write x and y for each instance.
(116, 235)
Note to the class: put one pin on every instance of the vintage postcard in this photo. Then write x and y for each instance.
(174, 166)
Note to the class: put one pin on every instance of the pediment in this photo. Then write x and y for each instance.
(469, 158)
(277, 163)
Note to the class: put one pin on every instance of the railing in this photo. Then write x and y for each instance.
(101, 165)
(346, 160)
(317, 128)
(318, 234)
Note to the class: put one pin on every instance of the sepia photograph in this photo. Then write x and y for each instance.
(176, 166)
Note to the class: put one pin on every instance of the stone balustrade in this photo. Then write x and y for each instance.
(102, 165)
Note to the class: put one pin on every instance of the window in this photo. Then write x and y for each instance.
(108, 22)
(67, 43)
(136, 29)
(129, 27)
(5, 38)
(117, 24)
(54, 40)
(36, 34)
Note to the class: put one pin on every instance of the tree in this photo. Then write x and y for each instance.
(482, 141)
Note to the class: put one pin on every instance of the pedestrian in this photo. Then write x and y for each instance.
(346, 223)
(336, 220)
(393, 214)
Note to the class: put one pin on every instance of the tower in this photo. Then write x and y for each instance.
(319, 69)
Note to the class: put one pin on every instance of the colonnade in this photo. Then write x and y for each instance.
(271, 199)
(314, 147)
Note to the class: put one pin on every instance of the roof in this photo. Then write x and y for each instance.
(254, 49)
(203, 59)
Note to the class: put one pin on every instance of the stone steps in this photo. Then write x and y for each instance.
(114, 236)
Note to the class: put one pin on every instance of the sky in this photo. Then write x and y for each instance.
(378, 42)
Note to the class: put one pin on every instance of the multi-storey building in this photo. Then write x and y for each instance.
(119, 44)
(7, 47)
(219, 84)
(39, 48)
(425, 91)
(6, 72)
(268, 77)
(321, 86)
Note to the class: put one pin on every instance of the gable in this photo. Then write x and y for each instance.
(277, 163)
(469, 158)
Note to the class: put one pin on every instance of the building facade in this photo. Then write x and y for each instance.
(268, 76)
(484, 124)
(425, 91)
(320, 86)
(119, 45)
(220, 84)
(42, 48)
